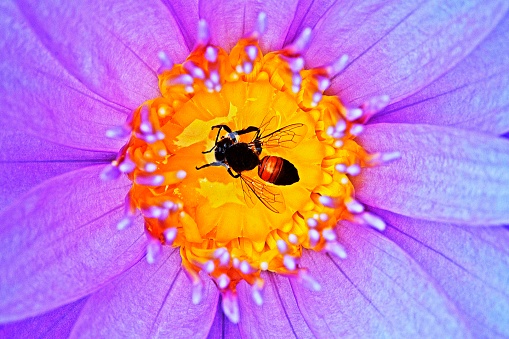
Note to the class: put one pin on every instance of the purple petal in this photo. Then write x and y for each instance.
(53, 324)
(222, 327)
(230, 20)
(444, 174)
(149, 301)
(397, 48)
(111, 48)
(27, 161)
(278, 314)
(40, 97)
(470, 264)
(377, 289)
(60, 243)
(473, 95)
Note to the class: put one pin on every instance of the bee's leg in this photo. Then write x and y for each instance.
(225, 127)
(215, 163)
(248, 130)
(231, 173)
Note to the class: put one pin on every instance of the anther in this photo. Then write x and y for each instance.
(211, 54)
(354, 206)
(337, 66)
(314, 237)
(230, 306)
(195, 71)
(373, 221)
(312, 222)
(209, 266)
(328, 234)
(353, 114)
(127, 166)
(153, 250)
(166, 62)
(150, 180)
(356, 129)
(300, 45)
(118, 132)
(307, 281)
(289, 262)
(245, 267)
(374, 105)
(335, 249)
(203, 33)
(264, 265)
(384, 158)
(170, 235)
(110, 172)
(251, 52)
(223, 281)
(197, 292)
(292, 238)
(353, 169)
(282, 246)
(261, 24)
(124, 223)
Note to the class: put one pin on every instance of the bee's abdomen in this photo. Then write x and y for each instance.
(278, 171)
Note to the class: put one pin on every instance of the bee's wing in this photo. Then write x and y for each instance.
(287, 137)
(269, 195)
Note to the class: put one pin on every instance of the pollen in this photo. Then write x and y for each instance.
(188, 151)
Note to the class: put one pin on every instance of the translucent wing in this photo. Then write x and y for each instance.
(269, 195)
(287, 137)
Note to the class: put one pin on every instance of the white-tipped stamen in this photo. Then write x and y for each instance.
(335, 249)
(151, 180)
(328, 234)
(170, 235)
(264, 265)
(251, 52)
(124, 223)
(150, 167)
(312, 222)
(341, 168)
(110, 172)
(153, 251)
(307, 281)
(116, 132)
(261, 23)
(245, 267)
(354, 169)
(353, 114)
(211, 54)
(302, 42)
(197, 292)
(209, 266)
(374, 105)
(356, 129)
(166, 62)
(203, 32)
(223, 281)
(292, 238)
(289, 262)
(314, 237)
(354, 206)
(257, 295)
(230, 306)
(374, 221)
(282, 246)
(127, 166)
(337, 66)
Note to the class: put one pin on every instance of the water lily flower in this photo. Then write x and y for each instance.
(254, 169)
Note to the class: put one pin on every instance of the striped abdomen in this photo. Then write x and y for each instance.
(278, 171)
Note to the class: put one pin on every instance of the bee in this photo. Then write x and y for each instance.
(239, 157)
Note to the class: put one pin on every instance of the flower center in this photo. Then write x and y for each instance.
(243, 162)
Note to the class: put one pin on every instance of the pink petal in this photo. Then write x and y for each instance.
(473, 95)
(110, 47)
(53, 324)
(278, 314)
(378, 289)
(27, 161)
(185, 13)
(444, 174)
(470, 264)
(230, 20)
(149, 301)
(397, 48)
(60, 243)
